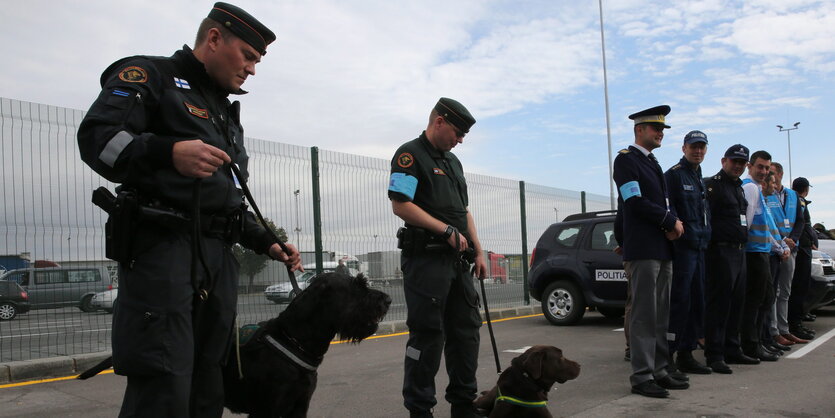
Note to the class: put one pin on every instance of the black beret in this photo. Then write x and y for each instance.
(653, 115)
(242, 24)
(455, 113)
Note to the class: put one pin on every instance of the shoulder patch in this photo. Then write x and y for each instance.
(405, 160)
(624, 151)
(133, 74)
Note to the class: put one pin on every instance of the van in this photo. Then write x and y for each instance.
(56, 287)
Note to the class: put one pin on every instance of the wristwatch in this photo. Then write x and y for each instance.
(449, 231)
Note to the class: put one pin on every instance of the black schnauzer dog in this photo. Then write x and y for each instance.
(277, 375)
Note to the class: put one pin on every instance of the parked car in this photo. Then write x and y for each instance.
(826, 245)
(283, 292)
(55, 287)
(105, 301)
(13, 300)
(822, 286)
(573, 266)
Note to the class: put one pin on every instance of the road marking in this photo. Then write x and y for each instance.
(58, 379)
(617, 329)
(518, 350)
(812, 345)
(54, 379)
(374, 337)
(54, 333)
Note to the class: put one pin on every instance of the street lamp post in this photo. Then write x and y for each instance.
(789, 136)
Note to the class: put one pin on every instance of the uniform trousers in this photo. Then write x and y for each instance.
(724, 300)
(687, 298)
(649, 319)
(759, 295)
(443, 317)
(801, 281)
(778, 317)
(172, 357)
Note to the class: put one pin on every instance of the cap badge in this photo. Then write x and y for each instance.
(133, 74)
(405, 160)
(196, 111)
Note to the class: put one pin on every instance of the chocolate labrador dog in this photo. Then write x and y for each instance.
(522, 389)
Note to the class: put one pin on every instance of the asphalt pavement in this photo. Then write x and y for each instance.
(364, 380)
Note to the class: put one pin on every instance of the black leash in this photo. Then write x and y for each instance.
(490, 326)
(255, 209)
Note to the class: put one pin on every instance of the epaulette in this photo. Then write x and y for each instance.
(676, 167)
(717, 177)
(624, 151)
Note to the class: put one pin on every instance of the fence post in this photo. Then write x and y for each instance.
(523, 217)
(583, 202)
(317, 208)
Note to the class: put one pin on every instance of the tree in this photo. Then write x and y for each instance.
(252, 263)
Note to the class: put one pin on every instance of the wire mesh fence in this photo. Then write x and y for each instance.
(50, 225)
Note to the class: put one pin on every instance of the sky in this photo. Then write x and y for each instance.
(361, 76)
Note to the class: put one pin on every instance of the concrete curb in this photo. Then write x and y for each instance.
(20, 371)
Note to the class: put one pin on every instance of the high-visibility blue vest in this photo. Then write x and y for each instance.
(760, 228)
(784, 214)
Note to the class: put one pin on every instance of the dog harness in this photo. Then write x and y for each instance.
(289, 354)
(519, 402)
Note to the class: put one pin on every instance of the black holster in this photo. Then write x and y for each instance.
(120, 228)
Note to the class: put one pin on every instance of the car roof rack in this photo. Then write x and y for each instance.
(590, 215)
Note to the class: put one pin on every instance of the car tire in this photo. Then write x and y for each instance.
(86, 304)
(563, 303)
(8, 311)
(111, 308)
(610, 312)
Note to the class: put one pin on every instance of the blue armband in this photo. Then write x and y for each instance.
(630, 189)
(404, 184)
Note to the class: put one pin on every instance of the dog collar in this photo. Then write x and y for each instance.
(519, 402)
(284, 350)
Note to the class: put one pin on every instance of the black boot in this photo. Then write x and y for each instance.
(688, 364)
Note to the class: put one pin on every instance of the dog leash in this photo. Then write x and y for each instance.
(489, 325)
(255, 209)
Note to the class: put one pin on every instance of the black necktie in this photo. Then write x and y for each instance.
(652, 157)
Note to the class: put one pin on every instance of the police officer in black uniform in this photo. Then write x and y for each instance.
(803, 266)
(648, 227)
(428, 191)
(687, 197)
(725, 263)
(164, 129)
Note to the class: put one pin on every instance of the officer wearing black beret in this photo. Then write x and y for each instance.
(439, 242)
(687, 198)
(164, 128)
(649, 225)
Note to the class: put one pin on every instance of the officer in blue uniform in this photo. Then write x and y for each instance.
(164, 129)
(687, 198)
(649, 227)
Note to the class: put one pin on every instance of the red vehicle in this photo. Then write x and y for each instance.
(496, 267)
